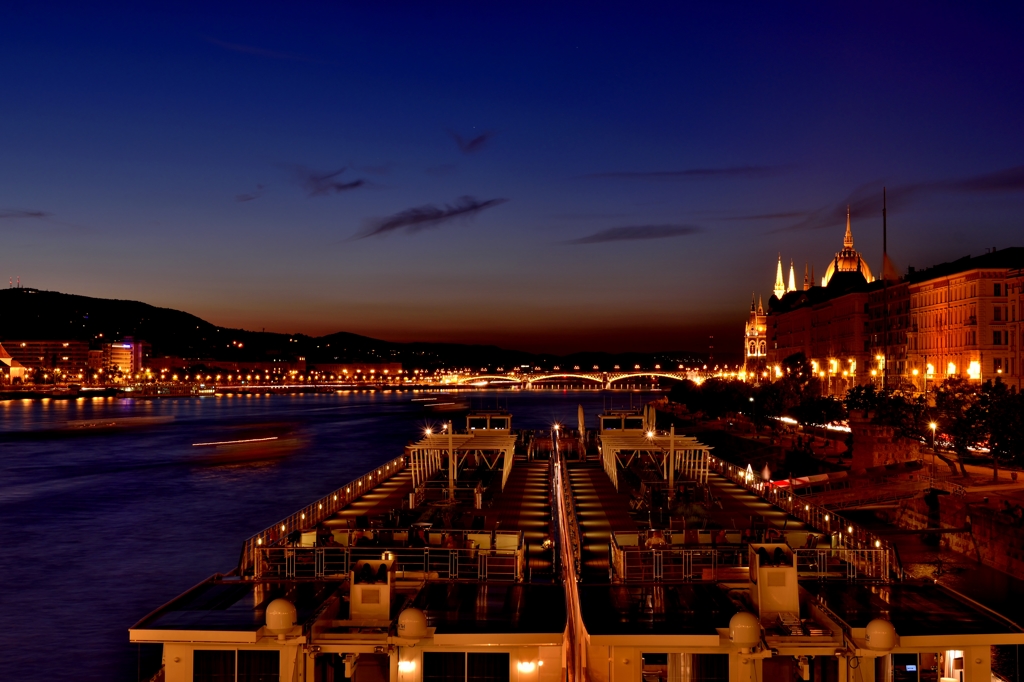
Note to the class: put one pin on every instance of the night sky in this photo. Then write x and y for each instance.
(542, 177)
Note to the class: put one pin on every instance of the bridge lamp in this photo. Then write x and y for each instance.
(650, 434)
(557, 426)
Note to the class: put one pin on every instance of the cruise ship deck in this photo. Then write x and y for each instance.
(498, 555)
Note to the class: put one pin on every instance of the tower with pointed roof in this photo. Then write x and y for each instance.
(780, 284)
(755, 340)
(847, 260)
(792, 277)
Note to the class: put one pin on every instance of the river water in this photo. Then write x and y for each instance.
(99, 530)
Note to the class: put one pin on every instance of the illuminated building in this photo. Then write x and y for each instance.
(63, 355)
(964, 320)
(755, 340)
(847, 260)
(11, 371)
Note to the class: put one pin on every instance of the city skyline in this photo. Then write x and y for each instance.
(546, 182)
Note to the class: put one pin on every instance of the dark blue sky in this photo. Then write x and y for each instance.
(559, 178)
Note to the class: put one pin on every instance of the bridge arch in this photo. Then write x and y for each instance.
(488, 377)
(586, 377)
(676, 376)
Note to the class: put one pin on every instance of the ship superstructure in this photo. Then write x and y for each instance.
(624, 554)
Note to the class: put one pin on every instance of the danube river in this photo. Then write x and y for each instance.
(100, 529)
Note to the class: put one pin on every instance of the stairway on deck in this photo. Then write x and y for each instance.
(600, 511)
(739, 504)
(525, 504)
(384, 498)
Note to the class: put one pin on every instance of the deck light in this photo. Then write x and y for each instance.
(878, 543)
(303, 516)
(259, 541)
(527, 666)
(849, 529)
(406, 666)
(826, 517)
(282, 527)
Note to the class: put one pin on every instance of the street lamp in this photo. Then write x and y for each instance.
(932, 427)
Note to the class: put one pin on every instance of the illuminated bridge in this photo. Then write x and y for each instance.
(603, 379)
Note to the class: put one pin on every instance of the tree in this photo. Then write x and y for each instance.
(961, 414)
(1004, 421)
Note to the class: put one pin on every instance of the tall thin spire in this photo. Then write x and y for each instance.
(780, 284)
(807, 281)
(751, 301)
(792, 277)
(848, 239)
(760, 306)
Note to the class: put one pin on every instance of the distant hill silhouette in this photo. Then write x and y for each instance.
(31, 314)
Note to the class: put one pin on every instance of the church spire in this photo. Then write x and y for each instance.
(760, 307)
(848, 239)
(792, 277)
(807, 281)
(751, 301)
(780, 284)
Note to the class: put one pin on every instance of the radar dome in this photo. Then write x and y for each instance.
(281, 616)
(880, 635)
(412, 623)
(744, 629)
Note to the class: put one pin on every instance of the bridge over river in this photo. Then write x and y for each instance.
(597, 378)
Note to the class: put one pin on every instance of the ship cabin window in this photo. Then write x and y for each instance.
(636, 423)
(477, 423)
(927, 666)
(611, 423)
(445, 666)
(692, 667)
(499, 423)
(236, 666)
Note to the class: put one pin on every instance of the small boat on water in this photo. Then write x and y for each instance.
(115, 423)
(444, 403)
(244, 450)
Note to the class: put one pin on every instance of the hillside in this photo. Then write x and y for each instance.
(31, 314)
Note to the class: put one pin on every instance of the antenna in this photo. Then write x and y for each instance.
(885, 297)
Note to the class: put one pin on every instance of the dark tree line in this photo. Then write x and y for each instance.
(967, 416)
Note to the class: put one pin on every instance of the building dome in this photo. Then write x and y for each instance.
(847, 260)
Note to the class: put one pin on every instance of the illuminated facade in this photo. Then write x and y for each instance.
(755, 340)
(847, 260)
(964, 320)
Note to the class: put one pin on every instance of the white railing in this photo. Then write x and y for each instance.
(437, 563)
(312, 514)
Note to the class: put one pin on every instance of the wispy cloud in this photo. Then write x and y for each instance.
(471, 145)
(637, 233)
(322, 183)
(866, 200)
(251, 196)
(261, 52)
(692, 173)
(770, 216)
(427, 217)
(20, 214)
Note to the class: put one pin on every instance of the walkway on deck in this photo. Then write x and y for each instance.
(526, 505)
(600, 511)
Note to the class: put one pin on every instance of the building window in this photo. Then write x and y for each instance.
(997, 338)
(236, 666)
(997, 364)
(997, 290)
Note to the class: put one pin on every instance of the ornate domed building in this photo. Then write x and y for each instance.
(847, 260)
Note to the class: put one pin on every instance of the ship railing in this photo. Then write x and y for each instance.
(427, 563)
(673, 564)
(316, 512)
(844, 534)
(569, 525)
